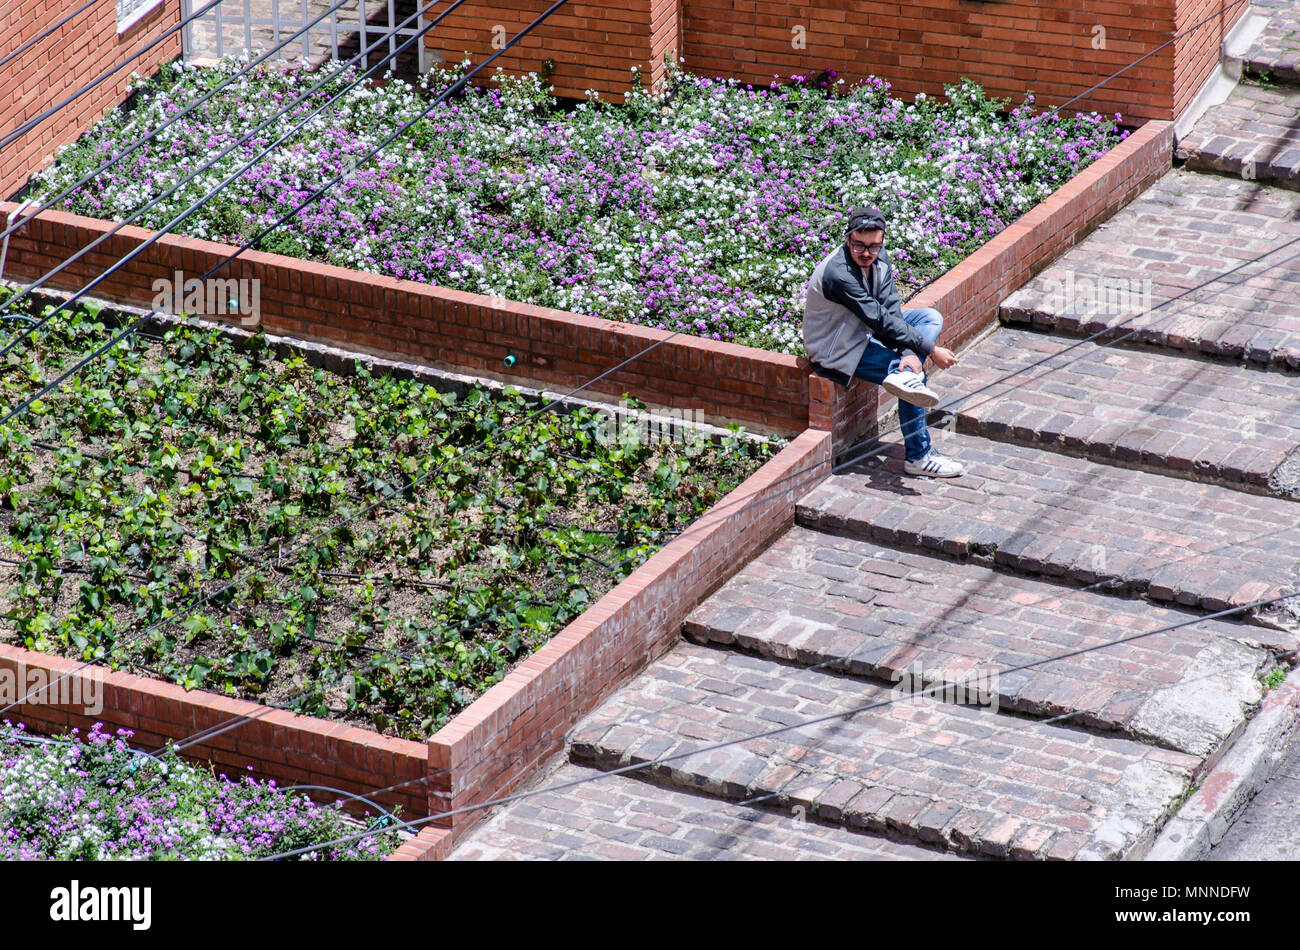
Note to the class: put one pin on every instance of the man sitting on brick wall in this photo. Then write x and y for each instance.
(853, 326)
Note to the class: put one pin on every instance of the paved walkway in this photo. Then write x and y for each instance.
(1114, 492)
(1267, 830)
(1254, 134)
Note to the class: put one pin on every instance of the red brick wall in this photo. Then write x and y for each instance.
(594, 46)
(500, 741)
(61, 64)
(1198, 52)
(1047, 46)
(918, 45)
(442, 327)
(292, 749)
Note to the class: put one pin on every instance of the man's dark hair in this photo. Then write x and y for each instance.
(865, 218)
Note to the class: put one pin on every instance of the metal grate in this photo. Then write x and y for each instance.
(250, 27)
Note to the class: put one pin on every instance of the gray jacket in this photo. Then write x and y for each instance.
(843, 311)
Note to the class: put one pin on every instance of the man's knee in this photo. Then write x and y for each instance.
(932, 317)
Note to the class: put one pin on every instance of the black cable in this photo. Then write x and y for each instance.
(1177, 36)
(658, 343)
(809, 472)
(1049, 721)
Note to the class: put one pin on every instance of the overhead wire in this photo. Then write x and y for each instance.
(47, 32)
(779, 730)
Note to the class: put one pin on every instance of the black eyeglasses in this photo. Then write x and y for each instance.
(859, 248)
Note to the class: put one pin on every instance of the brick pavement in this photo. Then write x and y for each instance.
(1276, 52)
(621, 818)
(857, 607)
(956, 776)
(1186, 229)
(1255, 134)
(1170, 414)
(1039, 512)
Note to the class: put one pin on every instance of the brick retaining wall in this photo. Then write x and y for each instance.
(500, 741)
(280, 745)
(466, 332)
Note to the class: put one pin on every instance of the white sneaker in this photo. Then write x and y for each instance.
(910, 387)
(934, 465)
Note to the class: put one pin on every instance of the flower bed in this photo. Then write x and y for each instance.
(170, 469)
(700, 207)
(96, 799)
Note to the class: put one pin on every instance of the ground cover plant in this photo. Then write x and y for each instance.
(699, 205)
(93, 798)
(171, 466)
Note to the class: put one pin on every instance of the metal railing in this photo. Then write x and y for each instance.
(256, 16)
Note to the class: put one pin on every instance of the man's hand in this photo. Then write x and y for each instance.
(911, 363)
(943, 357)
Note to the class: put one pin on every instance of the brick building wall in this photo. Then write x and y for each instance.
(594, 46)
(1199, 51)
(1056, 48)
(55, 68)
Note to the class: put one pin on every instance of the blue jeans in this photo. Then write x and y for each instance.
(878, 361)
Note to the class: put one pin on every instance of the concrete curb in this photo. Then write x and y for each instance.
(1207, 814)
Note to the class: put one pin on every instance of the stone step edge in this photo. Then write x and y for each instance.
(1025, 709)
(796, 805)
(1258, 69)
(1253, 482)
(1283, 361)
(1001, 838)
(973, 552)
(1231, 166)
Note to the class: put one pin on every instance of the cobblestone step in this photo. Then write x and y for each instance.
(852, 606)
(1184, 230)
(1191, 418)
(620, 818)
(1276, 52)
(1254, 133)
(1037, 512)
(952, 776)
